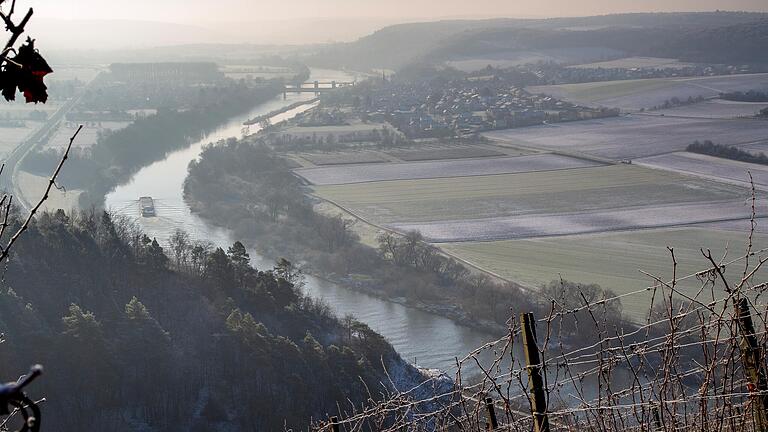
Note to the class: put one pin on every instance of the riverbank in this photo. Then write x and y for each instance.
(269, 115)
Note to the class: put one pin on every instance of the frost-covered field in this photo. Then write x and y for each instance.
(86, 138)
(437, 169)
(710, 167)
(633, 136)
(341, 158)
(636, 94)
(11, 137)
(546, 225)
(548, 192)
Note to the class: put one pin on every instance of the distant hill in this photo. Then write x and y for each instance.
(710, 37)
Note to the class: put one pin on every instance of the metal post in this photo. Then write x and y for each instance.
(493, 423)
(534, 367)
(752, 359)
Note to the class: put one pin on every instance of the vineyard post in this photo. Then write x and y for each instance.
(535, 369)
(493, 422)
(658, 427)
(752, 358)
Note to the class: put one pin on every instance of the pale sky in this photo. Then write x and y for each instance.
(198, 11)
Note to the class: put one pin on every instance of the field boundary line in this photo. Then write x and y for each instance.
(442, 251)
(559, 152)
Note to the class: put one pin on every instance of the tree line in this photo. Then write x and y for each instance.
(748, 96)
(707, 147)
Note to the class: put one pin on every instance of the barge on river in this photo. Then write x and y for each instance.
(147, 205)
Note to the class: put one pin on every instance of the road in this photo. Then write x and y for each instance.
(8, 181)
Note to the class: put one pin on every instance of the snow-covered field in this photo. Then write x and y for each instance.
(543, 225)
(436, 169)
(633, 95)
(633, 136)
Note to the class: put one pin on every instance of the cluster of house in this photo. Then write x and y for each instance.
(429, 110)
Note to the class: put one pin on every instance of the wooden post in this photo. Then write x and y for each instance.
(534, 367)
(753, 361)
(657, 419)
(335, 424)
(493, 423)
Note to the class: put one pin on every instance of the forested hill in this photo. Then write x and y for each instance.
(676, 35)
(137, 338)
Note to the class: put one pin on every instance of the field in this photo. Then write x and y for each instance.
(710, 167)
(632, 95)
(532, 193)
(633, 136)
(436, 169)
(715, 108)
(637, 62)
(445, 152)
(547, 225)
(22, 111)
(611, 260)
(341, 158)
(32, 188)
(86, 138)
(10, 137)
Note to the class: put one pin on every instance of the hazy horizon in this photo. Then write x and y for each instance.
(197, 12)
(112, 25)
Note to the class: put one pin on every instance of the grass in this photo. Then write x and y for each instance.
(559, 191)
(611, 260)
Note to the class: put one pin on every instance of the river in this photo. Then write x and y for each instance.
(422, 338)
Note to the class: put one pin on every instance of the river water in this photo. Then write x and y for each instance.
(422, 338)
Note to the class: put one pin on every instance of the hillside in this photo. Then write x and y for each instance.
(704, 37)
(135, 339)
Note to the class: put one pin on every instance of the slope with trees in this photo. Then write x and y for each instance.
(198, 340)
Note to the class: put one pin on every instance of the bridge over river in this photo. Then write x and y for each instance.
(315, 87)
